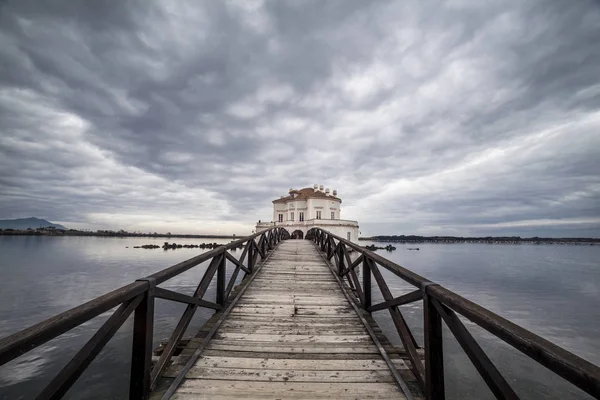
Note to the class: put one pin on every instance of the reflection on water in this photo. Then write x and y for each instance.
(42, 276)
(550, 289)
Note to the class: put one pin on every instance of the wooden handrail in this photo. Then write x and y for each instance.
(440, 302)
(138, 297)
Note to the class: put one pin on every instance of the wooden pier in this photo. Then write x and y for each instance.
(298, 325)
(292, 334)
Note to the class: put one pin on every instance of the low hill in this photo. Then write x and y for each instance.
(24, 223)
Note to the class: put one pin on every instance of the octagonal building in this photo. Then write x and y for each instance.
(303, 209)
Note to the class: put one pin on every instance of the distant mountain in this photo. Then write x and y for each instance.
(24, 223)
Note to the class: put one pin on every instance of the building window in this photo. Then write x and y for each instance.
(301, 217)
(280, 217)
(349, 236)
(318, 214)
(291, 216)
(333, 215)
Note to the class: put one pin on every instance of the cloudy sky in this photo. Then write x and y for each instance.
(428, 117)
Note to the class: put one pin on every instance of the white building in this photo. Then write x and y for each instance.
(308, 208)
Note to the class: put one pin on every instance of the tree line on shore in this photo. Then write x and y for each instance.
(51, 231)
(479, 239)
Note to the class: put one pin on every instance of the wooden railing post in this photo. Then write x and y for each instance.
(341, 259)
(434, 351)
(141, 354)
(250, 255)
(221, 272)
(366, 283)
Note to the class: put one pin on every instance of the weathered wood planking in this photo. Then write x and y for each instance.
(293, 335)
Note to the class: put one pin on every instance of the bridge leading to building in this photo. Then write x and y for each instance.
(299, 325)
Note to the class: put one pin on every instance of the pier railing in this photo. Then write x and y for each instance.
(138, 298)
(441, 304)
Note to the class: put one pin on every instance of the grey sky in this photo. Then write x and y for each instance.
(456, 117)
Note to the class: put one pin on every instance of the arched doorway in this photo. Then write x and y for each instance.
(297, 234)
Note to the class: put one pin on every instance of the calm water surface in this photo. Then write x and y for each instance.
(550, 289)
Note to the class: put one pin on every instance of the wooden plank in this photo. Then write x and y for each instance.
(292, 348)
(297, 356)
(207, 389)
(293, 309)
(297, 364)
(288, 375)
(257, 329)
(293, 334)
(294, 338)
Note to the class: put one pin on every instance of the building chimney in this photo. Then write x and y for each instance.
(334, 192)
(321, 188)
(316, 187)
(327, 191)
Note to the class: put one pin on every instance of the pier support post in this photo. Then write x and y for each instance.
(141, 354)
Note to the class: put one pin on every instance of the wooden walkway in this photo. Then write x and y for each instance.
(293, 334)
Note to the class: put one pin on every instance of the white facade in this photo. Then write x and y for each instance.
(307, 208)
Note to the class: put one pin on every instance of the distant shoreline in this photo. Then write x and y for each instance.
(410, 239)
(57, 232)
(407, 239)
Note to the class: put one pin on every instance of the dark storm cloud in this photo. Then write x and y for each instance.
(427, 116)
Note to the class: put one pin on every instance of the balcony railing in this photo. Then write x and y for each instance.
(308, 222)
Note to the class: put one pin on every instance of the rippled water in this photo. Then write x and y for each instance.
(42, 276)
(550, 289)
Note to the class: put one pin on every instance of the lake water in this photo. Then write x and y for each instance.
(553, 290)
